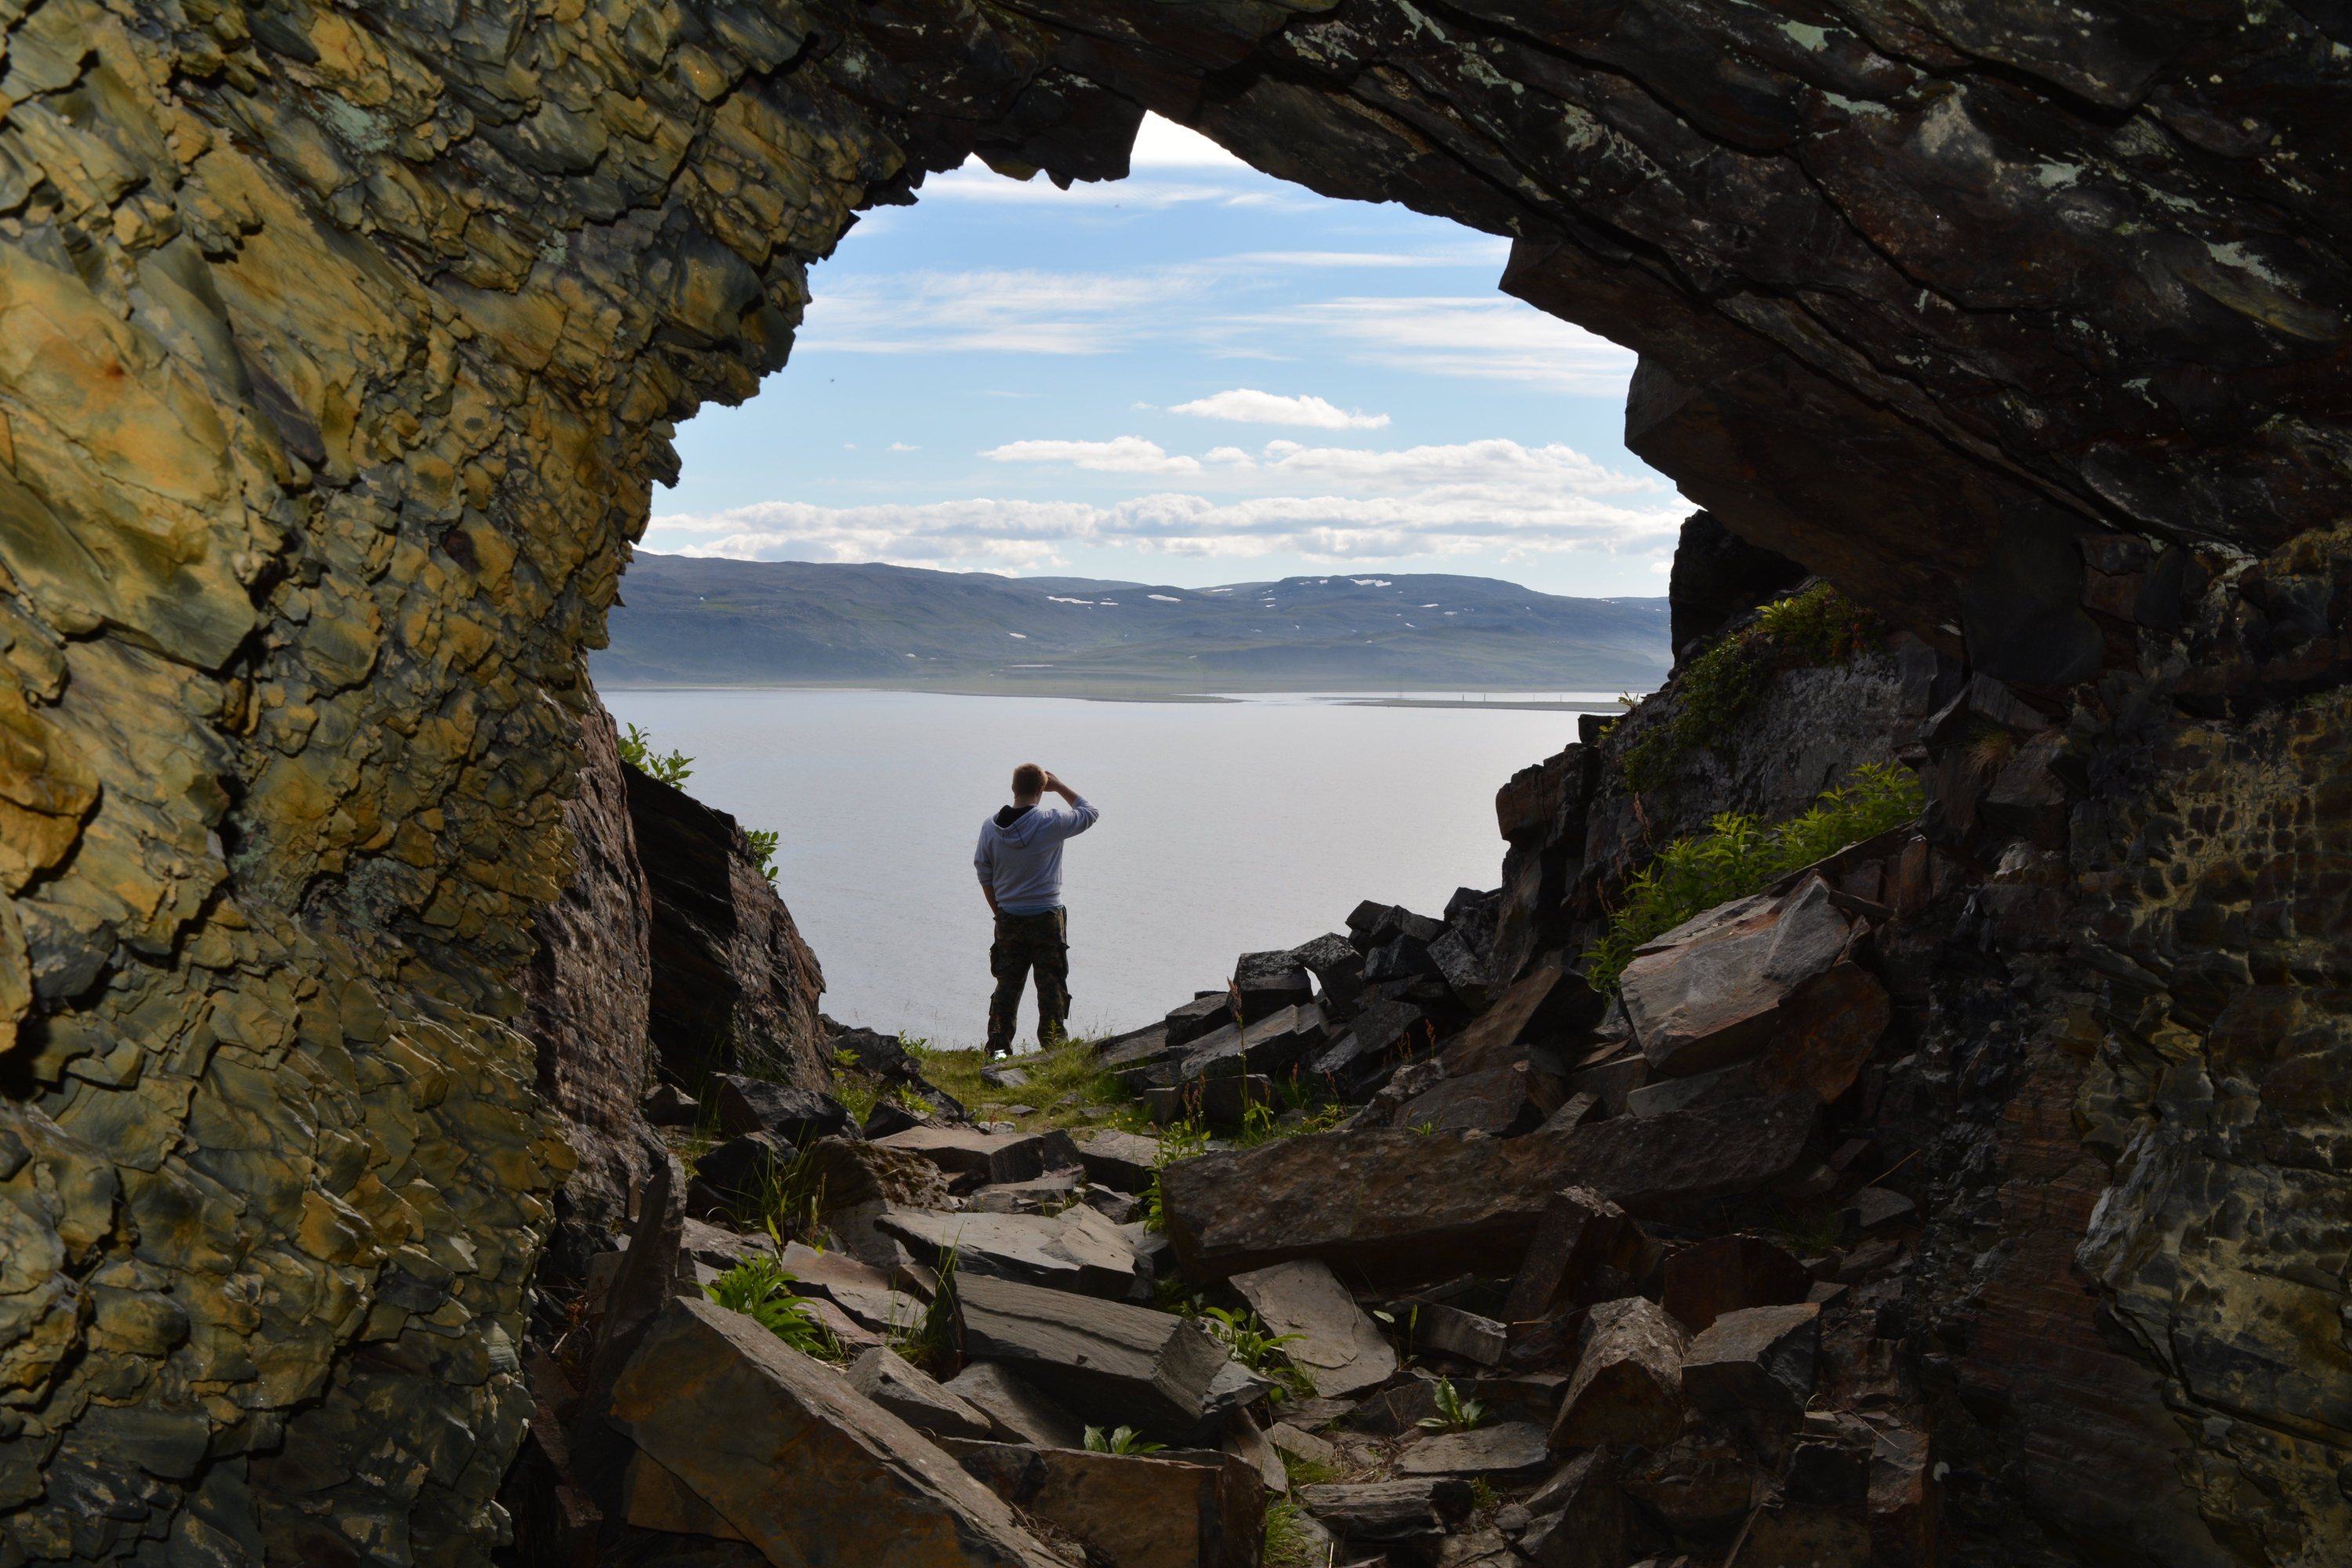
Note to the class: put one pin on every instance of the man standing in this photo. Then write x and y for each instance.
(1020, 865)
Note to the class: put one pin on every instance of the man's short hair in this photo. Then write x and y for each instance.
(1028, 779)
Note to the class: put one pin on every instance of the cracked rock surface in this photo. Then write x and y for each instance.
(340, 348)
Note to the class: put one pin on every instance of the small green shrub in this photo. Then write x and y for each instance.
(1124, 1441)
(763, 850)
(637, 750)
(1739, 855)
(1454, 1414)
(1246, 1341)
(1178, 1141)
(761, 1289)
(1817, 626)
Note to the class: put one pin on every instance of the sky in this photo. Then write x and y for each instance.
(1196, 375)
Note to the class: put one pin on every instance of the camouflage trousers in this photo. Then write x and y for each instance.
(1025, 942)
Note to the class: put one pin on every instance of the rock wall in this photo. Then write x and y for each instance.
(588, 991)
(734, 988)
(338, 353)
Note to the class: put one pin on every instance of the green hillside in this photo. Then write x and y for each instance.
(698, 622)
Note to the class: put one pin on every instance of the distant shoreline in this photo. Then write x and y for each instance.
(1338, 695)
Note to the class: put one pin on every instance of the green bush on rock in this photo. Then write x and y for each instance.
(1818, 627)
(1739, 855)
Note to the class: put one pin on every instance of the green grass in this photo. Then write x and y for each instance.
(1066, 1068)
(1810, 1232)
(1287, 1544)
(1817, 626)
(1739, 854)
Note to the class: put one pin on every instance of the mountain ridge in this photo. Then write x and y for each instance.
(704, 621)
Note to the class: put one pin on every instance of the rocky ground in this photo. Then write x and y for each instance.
(1388, 1250)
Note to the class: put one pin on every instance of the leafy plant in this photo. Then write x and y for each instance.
(1411, 1328)
(1817, 626)
(763, 850)
(1424, 1127)
(1246, 1341)
(761, 1289)
(1123, 1440)
(1178, 1141)
(1483, 1499)
(1454, 1414)
(788, 1198)
(673, 768)
(1739, 855)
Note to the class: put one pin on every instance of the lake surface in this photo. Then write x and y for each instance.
(1227, 827)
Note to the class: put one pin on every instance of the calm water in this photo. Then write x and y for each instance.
(1226, 828)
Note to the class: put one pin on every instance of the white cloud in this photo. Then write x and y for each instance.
(1334, 504)
(1249, 405)
(902, 446)
(1121, 455)
(1001, 311)
(1494, 338)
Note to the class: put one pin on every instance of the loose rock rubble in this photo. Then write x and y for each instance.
(1494, 1318)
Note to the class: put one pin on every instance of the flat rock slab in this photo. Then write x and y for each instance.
(1760, 1359)
(858, 1289)
(1269, 981)
(1126, 1161)
(914, 1397)
(1375, 1513)
(793, 1116)
(1339, 1345)
(1078, 1250)
(1826, 1032)
(1450, 1330)
(1136, 1511)
(1048, 1193)
(1396, 1410)
(1547, 1000)
(1510, 1453)
(1017, 1410)
(1112, 1363)
(1581, 1231)
(1133, 1049)
(989, 1156)
(1268, 1045)
(800, 1465)
(1304, 1446)
(1390, 1202)
(1709, 991)
(1500, 1100)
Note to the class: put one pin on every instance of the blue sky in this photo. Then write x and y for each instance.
(1199, 374)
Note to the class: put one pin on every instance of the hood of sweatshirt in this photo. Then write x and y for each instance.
(1015, 823)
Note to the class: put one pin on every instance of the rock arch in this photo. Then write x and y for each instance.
(338, 350)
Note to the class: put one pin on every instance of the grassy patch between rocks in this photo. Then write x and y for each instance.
(1287, 1544)
(1066, 1086)
(1817, 626)
(1739, 854)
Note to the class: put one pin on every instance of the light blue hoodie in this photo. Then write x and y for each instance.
(1020, 854)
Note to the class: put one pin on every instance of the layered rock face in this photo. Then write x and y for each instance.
(338, 353)
(734, 988)
(590, 988)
